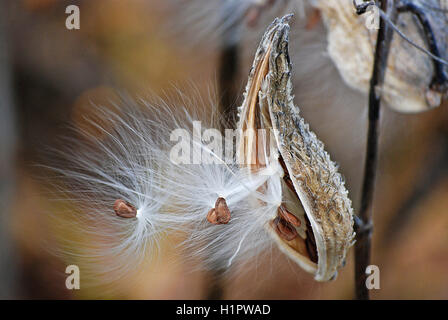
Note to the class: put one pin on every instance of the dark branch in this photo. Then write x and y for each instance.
(439, 83)
(364, 221)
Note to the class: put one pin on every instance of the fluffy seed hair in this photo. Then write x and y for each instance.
(127, 153)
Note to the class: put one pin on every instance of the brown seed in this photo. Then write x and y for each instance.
(288, 216)
(220, 214)
(285, 229)
(124, 209)
(211, 216)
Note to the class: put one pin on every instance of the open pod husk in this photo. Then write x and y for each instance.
(326, 225)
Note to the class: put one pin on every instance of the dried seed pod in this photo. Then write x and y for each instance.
(411, 83)
(124, 209)
(308, 169)
(220, 214)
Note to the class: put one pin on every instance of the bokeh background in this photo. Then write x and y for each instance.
(51, 76)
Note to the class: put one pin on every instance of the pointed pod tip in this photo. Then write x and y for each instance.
(286, 18)
(278, 24)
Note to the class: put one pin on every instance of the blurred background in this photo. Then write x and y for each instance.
(50, 77)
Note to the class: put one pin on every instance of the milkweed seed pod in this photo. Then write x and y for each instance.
(317, 238)
(409, 82)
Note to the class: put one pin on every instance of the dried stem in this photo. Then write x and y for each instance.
(439, 83)
(364, 221)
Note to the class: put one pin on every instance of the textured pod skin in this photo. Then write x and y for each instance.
(409, 73)
(316, 181)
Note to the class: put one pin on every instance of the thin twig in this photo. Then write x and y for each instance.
(364, 221)
(388, 12)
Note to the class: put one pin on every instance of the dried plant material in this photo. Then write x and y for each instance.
(220, 214)
(286, 183)
(307, 167)
(409, 84)
(124, 209)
